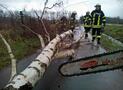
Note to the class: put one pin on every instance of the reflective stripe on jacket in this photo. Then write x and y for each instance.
(87, 21)
(98, 18)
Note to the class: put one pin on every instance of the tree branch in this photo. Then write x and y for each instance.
(40, 20)
(38, 35)
(56, 4)
(12, 57)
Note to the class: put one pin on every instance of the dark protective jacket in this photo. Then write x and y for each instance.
(63, 20)
(98, 18)
(63, 24)
(72, 21)
(87, 20)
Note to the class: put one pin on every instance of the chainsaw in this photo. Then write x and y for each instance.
(93, 64)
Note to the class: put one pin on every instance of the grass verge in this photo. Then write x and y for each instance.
(115, 31)
(21, 48)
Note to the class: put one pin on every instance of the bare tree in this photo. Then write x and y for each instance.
(37, 68)
(42, 23)
(44, 9)
(13, 60)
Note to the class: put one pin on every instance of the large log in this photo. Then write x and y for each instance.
(27, 79)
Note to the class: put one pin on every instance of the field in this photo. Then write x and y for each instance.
(115, 31)
(21, 47)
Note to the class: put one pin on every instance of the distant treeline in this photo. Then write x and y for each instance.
(115, 20)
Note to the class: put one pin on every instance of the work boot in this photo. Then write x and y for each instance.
(98, 44)
(98, 41)
(86, 36)
(93, 39)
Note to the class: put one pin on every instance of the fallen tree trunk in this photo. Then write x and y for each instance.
(13, 60)
(29, 77)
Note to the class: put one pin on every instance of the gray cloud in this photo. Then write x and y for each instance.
(110, 7)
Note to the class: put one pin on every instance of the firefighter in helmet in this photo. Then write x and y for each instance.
(98, 23)
(87, 20)
(72, 21)
(63, 24)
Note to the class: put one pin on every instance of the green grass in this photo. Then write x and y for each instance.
(21, 47)
(25, 47)
(115, 31)
(109, 45)
(4, 58)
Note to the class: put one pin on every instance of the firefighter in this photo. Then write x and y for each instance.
(72, 22)
(87, 20)
(63, 24)
(98, 23)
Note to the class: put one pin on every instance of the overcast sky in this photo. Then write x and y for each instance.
(111, 8)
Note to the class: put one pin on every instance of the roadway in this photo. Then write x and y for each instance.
(52, 80)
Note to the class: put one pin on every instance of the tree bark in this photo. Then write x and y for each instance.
(29, 77)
